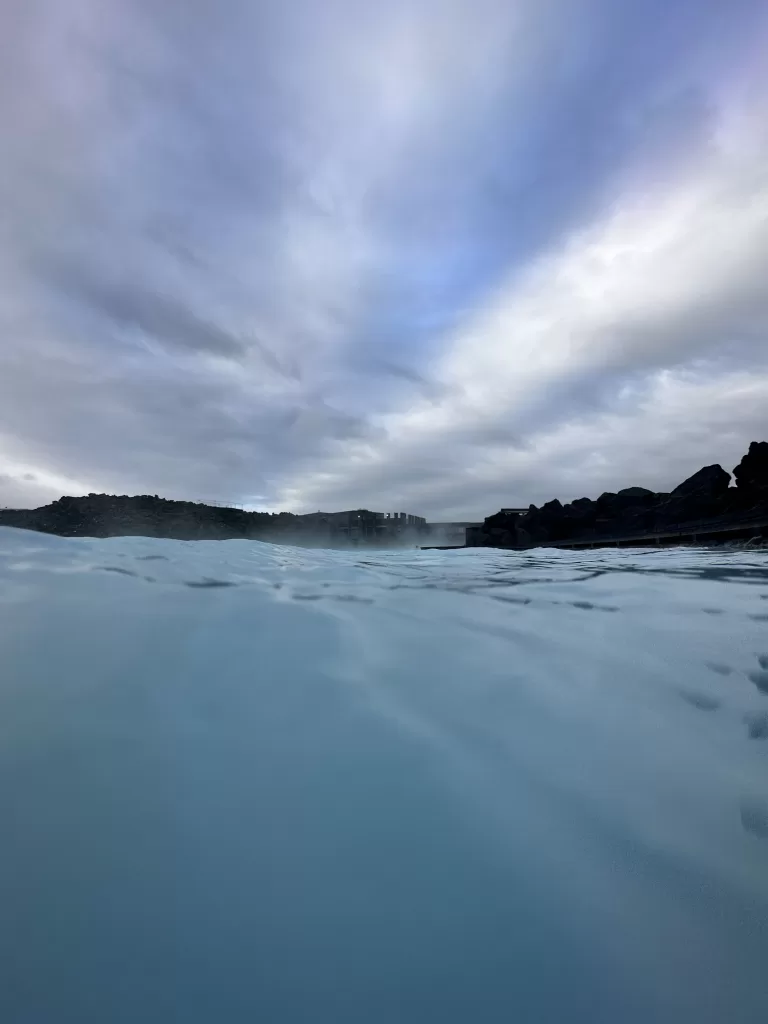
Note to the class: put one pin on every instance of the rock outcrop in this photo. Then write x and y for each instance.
(706, 497)
(146, 515)
(752, 472)
(709, 482)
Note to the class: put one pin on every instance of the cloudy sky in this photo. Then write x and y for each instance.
(428, 255)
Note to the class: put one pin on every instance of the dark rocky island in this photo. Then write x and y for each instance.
(705, 506)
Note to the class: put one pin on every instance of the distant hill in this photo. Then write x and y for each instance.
(146, 515)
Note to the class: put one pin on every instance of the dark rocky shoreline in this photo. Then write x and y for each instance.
(147, 515)
(705, 499)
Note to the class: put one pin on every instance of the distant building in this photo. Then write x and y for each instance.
(361, 526)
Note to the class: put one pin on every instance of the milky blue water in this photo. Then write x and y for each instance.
(250, 783)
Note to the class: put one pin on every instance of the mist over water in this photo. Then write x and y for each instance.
(243, 782)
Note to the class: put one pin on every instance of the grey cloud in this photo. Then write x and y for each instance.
(159, 316)
(22, 492)
(449, 488)
(306, 197)
(431, 389)
(163, 426)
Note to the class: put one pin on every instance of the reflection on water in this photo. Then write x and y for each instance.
(241, 782)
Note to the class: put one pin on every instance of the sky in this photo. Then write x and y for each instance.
(435, 256)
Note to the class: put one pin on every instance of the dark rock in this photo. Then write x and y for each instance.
(709, 482)
(641, 494)
(752, 472)
(704, 495)
(500, 519)
(635, 521)
(608, 499)
(145, 515)
(534, 528)
(105, 515)
(630, 500)
(581, 512)
(548, 523)
(674, 512)
(586, 533)
(702, 504)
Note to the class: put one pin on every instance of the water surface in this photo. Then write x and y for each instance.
(241, 782)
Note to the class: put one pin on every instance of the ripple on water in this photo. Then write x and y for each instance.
(450, 779)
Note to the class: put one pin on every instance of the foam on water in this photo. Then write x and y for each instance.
(250, 783)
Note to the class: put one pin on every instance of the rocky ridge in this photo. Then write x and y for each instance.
(707, 497)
